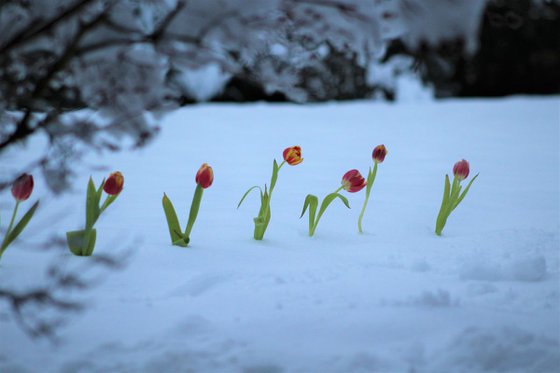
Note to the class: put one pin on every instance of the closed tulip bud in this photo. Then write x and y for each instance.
(114, 184)
(292, 155)
(379, 153)
(204, 176)
(22, 187)
(353, 181)
(461, 169)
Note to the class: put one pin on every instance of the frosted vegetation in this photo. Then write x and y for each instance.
(83, 79)
(131, 61)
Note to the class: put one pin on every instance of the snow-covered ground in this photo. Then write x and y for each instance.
(484, 297)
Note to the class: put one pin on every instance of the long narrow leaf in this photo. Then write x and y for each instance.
(195, 207)
(464, 192)
(326, 202)
(274, 178)
(20, 226)
(100, 190)
(371, 179)
(172, 220)
(312, 202)
(247, 193)
(310, 199)
(108, 201)
(343, 199)
(89, 245)
(455, 189)
(443, 209)
(92, 205)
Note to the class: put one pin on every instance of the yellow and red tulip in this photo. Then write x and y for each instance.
(114, 184)
(22, 188)
(205, 176)
(379, 153)
(452, 195)
(292, 156)
(82, 242)
(204, 179)
(353, 181)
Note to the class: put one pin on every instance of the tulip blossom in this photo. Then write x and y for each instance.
(204, 178)
(21, 191)
(82, 242)
(452, 195)
(292, 156)
(378, 155)
(22, 187)
(352, 182)
(114, 184)
(461, 170)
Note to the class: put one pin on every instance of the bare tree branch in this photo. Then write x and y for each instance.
(28, 33)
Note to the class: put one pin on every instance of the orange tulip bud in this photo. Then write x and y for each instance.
(461, 169)
(22, 187)
(353, 181)
(379, 153)
(292, 155)
(114, 184)
(204, 176)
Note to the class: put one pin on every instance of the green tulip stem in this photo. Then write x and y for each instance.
(452, 196)
(9, 227)
(12, 221)
(370, 180)
(195, 206)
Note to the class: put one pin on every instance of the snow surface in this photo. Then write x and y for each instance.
(484, 297)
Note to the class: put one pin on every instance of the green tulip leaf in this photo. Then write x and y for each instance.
(80, 242)
(247, 193)
(172, 220)
(464, 192)
(274, 178)
(182, 242)
(20, 226)
(195, 207)
(312, 202)
(92, 204)
(442, 216)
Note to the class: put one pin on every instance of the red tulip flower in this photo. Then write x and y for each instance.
(292, 155)
(114, 184)
(453, 193)
(353, 181)
(461, 169)
(82, 242)
(22, 187)
(204, 176)
(379, 153)
(21, 190)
